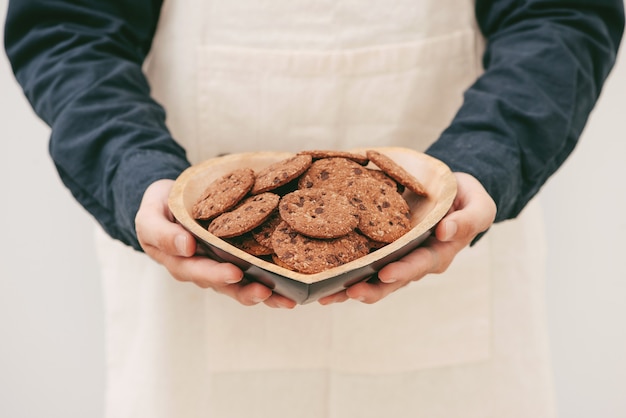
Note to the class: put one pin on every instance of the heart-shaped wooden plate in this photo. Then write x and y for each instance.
(434, 175)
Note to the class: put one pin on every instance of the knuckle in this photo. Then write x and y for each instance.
(163, 244)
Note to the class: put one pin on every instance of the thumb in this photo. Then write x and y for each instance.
(446, 230)
(155, 226)
(473, 212)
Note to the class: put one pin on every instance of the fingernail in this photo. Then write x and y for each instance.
(449, 230)
(390, 280)
(181, 244)
(233, 280)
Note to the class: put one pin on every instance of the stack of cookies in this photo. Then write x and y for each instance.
(314, 211)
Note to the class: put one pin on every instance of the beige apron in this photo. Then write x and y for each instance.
(242, 75)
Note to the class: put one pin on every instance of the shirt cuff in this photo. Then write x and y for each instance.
(133, 176)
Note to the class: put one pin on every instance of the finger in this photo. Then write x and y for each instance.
(247, 293)
(446, 229)
(223, 278)
(156, 230)
(155, 225)
(203, 271)
(334, 298)
(473, 211)
(413, 266)
(372, 291)
(279, 301)
(460, 226)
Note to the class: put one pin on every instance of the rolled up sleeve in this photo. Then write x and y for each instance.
(545, 65)
(80, 66)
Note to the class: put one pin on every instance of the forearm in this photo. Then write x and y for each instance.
(545, 64)
(79, 64)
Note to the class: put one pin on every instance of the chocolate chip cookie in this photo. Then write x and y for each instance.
(246, 216)
(318, 213)
(280, 173)
(384, 215)
(223, 194)
(396, 172)
(310, 255)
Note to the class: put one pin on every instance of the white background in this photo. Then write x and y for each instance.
(51, 329)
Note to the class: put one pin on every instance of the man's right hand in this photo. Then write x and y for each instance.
(169, 244)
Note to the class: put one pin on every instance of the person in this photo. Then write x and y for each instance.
(136, 91)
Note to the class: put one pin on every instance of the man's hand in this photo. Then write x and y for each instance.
(171, 245)
(472, 212)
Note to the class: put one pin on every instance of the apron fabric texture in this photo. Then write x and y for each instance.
(240, 75)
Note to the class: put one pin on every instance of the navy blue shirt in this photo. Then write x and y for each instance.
(79, 63)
